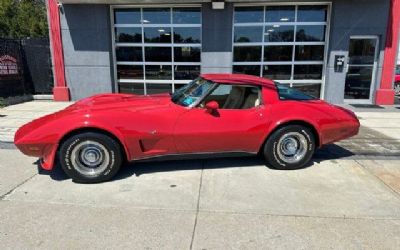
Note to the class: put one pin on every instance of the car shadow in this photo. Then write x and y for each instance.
(329, 152)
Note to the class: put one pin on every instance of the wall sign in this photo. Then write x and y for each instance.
(8, 65)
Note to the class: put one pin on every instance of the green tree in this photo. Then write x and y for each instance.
(23, 18)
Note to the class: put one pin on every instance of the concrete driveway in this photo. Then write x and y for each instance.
(349, 198)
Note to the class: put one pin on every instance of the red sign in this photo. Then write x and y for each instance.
(8, 65)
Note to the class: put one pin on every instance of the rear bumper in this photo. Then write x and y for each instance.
(343, 130)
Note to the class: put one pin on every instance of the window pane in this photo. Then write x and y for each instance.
(129, 54)
(309, 53)
(247, 69)
(248, 34)
(307, 72)
(310, 33)
(311, 14)
(278, 53)
(129, 72)
(156, 15)
(187, 35)
(127, 16)
(287, 93)
(358, 82)
(133, 88)
(186, 15)
(362, 51)
(158, 54)
(178, 86)
(247, 54)
(158, 72)
(153, 88)
(157, 35)
(309, 89)
(128, 35)
(277, 72)
(279, 33)
(187, 54)
(249, 14)
(279, 14)
(183, 72)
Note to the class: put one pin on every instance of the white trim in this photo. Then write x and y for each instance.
(280, 63)
(113, 51)
(280, 23)
(197, 45)
(279, 4)
(140, 81)
(278, 44)
(157, 25)
(158, 6)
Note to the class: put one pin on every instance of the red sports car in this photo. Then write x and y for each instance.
(214, 114)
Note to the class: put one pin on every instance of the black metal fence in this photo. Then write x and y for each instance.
(25, 67)
(37, 64)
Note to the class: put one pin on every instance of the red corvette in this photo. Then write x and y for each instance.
(214, 114)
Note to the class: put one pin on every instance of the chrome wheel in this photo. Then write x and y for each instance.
(292, 147)
(90, 158)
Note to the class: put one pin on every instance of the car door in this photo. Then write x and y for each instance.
(234, 127)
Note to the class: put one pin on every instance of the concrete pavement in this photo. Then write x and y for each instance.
(12, 117)
(349, 198)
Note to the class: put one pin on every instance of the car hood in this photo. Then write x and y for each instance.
(118, 101)
(108, 102)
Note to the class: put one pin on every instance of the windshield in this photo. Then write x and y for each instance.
(192, 92)
(288, 93)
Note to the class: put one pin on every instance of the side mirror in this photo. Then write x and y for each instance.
(212, 106)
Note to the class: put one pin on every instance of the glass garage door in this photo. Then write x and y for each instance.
(283, 43)
(156, 49)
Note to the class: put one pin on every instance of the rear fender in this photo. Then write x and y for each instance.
(296, 121)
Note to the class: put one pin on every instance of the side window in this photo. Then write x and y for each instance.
(287, 93)
(235, 96)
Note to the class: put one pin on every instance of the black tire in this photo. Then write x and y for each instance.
(276, 147)
(90, 157)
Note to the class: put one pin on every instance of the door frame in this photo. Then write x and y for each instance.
(374, 71)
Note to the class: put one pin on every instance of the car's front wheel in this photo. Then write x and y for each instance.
(90, 157)
(289, 147)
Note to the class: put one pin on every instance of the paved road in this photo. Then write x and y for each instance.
(349, 198)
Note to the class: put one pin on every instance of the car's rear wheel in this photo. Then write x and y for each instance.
(289, 147)
(90, 157)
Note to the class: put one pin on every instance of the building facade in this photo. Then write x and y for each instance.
(343, 51)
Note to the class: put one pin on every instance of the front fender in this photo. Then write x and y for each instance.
(41, 137)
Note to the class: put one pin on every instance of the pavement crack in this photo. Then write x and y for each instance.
(379, 179)
(17, 186)
(197, 207)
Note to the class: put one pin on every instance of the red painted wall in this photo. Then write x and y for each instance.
(60, 90)
(385, 93)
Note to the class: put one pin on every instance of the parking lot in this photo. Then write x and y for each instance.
(348, 198)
